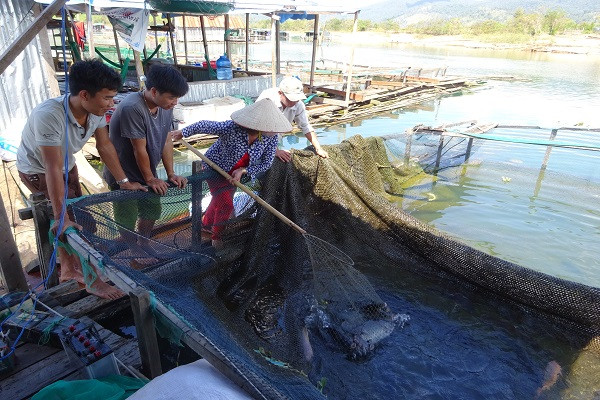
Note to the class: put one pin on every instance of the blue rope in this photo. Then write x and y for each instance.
(52, 262)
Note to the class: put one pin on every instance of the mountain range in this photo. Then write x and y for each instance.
(414, 11)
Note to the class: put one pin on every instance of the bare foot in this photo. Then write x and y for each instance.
(67, 275)
(104, 290)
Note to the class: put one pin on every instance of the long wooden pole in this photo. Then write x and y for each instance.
(349, 80)
(244, 188)
(90, 28)
(314, 51)
(185, 49)
(155, 32)
(117, 45)
(204, 41)
(171, 29)
(226, 37)
(11, 269)
(247, 38)
(277, 47)
(23, 40)
(273, 51)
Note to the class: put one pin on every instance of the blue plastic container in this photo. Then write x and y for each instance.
(224, 68)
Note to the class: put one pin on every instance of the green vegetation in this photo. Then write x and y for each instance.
(521, 26)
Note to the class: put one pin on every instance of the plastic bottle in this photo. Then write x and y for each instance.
(224, 68)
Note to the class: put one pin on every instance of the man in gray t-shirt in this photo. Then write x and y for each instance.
(73, 119)
(139, 129)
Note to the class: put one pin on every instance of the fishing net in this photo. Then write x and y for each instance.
(278, 306)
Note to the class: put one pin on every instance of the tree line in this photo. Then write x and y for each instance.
(552, 22)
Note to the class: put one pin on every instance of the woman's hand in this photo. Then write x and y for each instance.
(176, 135)
(237, 175)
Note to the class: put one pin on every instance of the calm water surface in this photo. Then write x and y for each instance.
(550, 222)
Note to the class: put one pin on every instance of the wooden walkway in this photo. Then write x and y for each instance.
(38, 366)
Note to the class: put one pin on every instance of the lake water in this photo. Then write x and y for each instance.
(552, 225)
(467, 345)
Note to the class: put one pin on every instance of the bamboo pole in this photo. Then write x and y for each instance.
(204, 41)
(247, 38)
(23, 40)
(171, 29)
(314, 52)
(244, 188)
(90, 27)
(119, 59)
(185, 49)
(277, 47)
(226, 37)
(349, 80)
(139, 69)
(155, 32)
(273, 51)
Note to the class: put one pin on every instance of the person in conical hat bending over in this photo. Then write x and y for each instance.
(288, 98)
(246, 146)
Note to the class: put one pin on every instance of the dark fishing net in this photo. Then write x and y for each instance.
(269, 295)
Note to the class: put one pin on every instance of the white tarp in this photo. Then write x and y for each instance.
(132, 25)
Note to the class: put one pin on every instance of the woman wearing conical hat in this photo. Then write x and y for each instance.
(246, 146)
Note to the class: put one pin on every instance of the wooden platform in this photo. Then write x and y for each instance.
(38, 366)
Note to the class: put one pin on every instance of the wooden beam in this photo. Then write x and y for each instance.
(351, 65)
(11, 269)
(170, 22)
(196, 205)
(185, 49)
(155, 32)
(277, 47)
(41, 220)
(205, 42)
(146, 333)
(247, 38)
(314, 52)
(226, 37)
(48, 63)
(139, 69)
(90, 28)
(119, 59)
(342, 93)
(273, 50)
(23, 40)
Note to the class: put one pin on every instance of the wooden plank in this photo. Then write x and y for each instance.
(341, 93)
(28, 354)
(327, 100)
(29, 381)
(146, 333)
(86, 305)
(25, 38)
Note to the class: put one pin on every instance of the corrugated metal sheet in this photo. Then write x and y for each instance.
(250, 86)
(23, 85)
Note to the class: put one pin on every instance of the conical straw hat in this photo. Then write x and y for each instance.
(262, 116)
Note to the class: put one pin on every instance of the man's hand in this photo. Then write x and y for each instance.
(179, 181)
(283, 155)
(133, 186)
(158, 186)
(322, 153)
(237, 175)
(176, 135)
(68, 223)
